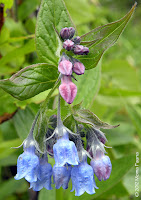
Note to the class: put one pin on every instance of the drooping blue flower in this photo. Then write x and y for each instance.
(102, 167)
(65, 152)
(44, 176)
(27, 165)
(61, 176)
(83, 179)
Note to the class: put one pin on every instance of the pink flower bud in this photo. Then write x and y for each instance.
(65, 67)
(68, 45)
(77, 40)
(78, 68)
(81, 50)
(67, 89)
(85, 50)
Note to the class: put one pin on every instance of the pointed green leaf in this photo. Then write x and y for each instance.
(88, 86)
(100, 39)
(22, 125)
(135, 116)
(52, 15)
(30, 81)
(87, 117)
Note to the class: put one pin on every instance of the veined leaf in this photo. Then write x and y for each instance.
(52, 15)
(30, 81)
(100, 39)
(88, 86)
(87, 117)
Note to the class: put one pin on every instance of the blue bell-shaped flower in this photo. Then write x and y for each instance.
(61, 176)
(65, 151)
(28, 162)
(44, 176)
(83, 178)
(27, 165)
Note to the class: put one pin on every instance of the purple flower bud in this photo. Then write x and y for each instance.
(68, 45)
(85, 50)
(81, 50)
(78, 68)
(71, 32)
(67, 33)
(102, 167)
(64, 33)
(65, 67)
(77, 40)
(67, 89)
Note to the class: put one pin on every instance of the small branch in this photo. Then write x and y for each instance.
(1, 16)
(6, 117)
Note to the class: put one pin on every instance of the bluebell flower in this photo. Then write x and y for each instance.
(61, 176)
(83, 179)
(44, 176)
(27, 165)
(102, 167)
(65, 151)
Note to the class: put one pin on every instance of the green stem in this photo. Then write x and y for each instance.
(50, 93)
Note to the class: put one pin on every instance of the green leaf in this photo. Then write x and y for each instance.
(30, 81)
(100, 39)
(47, 194)
(88, 86)
(87, 117)
(135, 116)
(85, 13)
(23, 121)
(11, 186)
(118, 191)
(18, 52)
(7, 103)
(29, 6)
(122, 135)
(52, 15)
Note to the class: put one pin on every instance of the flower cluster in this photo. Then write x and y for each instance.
(70, 159)
(62, 144)
(68, 65)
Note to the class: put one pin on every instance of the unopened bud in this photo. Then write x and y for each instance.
(67, 33)
(78, 68)
(64, 33)
(65, 67)
(81, 50)
(77, 40)
(71, 32)
(102, 167)
(67, 89)
(85, 50)
(68, 45)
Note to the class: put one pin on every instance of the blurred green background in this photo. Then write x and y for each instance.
(114, 87)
